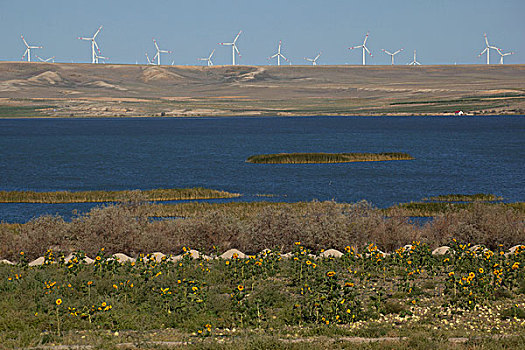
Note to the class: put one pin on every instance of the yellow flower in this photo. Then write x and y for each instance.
(413, 302)
(480, 270)
(227, 262)
(349, 284)
(308, 262)
(516, 265)
(297, 243)
(58, 301)
(115, 286)
(98, 258)
(194, 288)
(330, 273)
(104, 304)
(451, 273)
(240, 287)
(21, 253)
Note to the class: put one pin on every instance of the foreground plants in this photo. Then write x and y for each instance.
(467, 291)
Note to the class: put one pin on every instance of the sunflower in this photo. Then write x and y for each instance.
(58, 301)
(240, 287)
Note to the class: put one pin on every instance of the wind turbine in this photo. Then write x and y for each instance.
(210, 63)
(279, 55)
(159, 51)
(503, 55)
(149, 61)
(363, 46)
(314, 60)
(487, 48)
(94, 45)
(28, 49)
(392, 54)
(101, 58)
(414, 62)
(52, 59)
(234, 47)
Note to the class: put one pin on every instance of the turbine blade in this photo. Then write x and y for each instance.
(237, 37)
(24, 40)
(366, 38)
(486, 40)
(155, 42)
(98, 31)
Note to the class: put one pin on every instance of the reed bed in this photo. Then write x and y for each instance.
(487, 197)
(113, 196)
(308, 158)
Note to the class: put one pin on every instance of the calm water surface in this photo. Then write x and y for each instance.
(453, 155)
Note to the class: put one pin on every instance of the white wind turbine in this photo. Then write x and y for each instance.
(363, 46)
(52, 59)
(101, 58)
(503, 55)
(414, 62)
(149, 61)
(159, 51)
(392, 54)
(28, 49)
(208, 59)
(314, 60)
(279, 55)
(94, 45)
(487, 48)
(234, 47)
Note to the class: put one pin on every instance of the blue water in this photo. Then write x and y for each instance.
(453, 155)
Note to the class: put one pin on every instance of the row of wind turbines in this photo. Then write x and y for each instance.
(96, 54)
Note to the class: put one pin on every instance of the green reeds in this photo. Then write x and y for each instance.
(113, 196)
(305, 158)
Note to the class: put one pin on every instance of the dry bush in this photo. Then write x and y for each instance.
(125, 228)
(489, 225)
(117, 228)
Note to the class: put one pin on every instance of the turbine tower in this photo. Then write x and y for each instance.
(314, 60)
(94, 45)
(363, 46)
(487, 48)
(414, 62)
(392, 54)
(52, 59)
(28, 49)
(234, 47)
(503, 55)
(208, 59)
(279, 55)
(159, 51)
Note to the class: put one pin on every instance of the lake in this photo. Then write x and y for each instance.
(453, 155)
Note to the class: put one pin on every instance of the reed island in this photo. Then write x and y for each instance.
(315, 158)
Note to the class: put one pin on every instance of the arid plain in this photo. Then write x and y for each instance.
(76, 90)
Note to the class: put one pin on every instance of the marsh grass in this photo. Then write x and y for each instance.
(465, 198)
(305, 158)
(112, 196)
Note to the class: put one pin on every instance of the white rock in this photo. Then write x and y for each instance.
(38, 261)
(122, 258)
(513, 249)
(5, 261)
(229, 254)
(287, 255)
(158, 256)
(331, 253)
(441, 250)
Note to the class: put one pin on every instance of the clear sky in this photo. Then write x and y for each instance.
(442, 31)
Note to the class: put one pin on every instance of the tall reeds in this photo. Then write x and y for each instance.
(112, 196)
(305, 158)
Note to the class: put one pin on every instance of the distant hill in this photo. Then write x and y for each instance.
(62, 89)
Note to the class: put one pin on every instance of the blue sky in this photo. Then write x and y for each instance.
(442, 31)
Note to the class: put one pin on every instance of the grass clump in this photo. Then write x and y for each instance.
(112, 196)
(308, 158)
